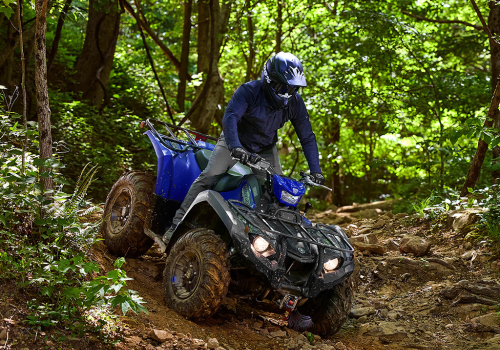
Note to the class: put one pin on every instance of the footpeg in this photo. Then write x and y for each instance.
(157, 239)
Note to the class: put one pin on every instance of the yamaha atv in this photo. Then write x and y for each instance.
(246, 234)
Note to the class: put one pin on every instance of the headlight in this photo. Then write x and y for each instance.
(261, 246)
(289, 198)
(331, 265)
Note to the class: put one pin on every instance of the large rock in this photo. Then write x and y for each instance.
(161, 336)
(212, 343)
(489, 320)
(372, 248)
(396, 267)
(379, 224)
(414, 244)
(362, 311)
(387, 331)
(458, 219)
(367, 214)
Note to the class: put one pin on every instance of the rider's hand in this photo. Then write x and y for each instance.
(255, 158)
(318, 178)
(240, 154)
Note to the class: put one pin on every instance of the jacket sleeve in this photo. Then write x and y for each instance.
(234, 111)
(300, 121)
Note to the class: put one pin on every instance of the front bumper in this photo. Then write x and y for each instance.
(293, 238)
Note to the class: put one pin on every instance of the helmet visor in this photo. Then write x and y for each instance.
(284, 90)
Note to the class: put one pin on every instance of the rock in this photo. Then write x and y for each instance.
(362, 319)
(3, 334)
(379, 224)
(490, 320)
(386, 331)
(391, 245)
(317, 338)
(364, 231)
(278, 334)
(384, 313)
(392, 315)
(220, 348)
(399, 216)
(369, 238)
(340, 346)
(458, 219)
(160, 335)
(415, 245)
(372, 248)
(389, 214)
(367, 214)
(467, 255)
(362, 311)
(212, 343)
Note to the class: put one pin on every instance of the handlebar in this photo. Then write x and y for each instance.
(267, 167)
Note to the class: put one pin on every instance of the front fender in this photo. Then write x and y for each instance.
(210, 210)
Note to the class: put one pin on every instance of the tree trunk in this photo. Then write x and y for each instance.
(494, 26)
(96, 61)
(203, 36)
(251, 50)
(13, 43)
(23, 76)
(183, 72)
(42, 91)
(57, 37)
(337, 190)
(208, 104)
(279, 31)
(482, 147)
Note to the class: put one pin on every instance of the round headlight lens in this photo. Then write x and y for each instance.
(331, 265)
(260, 244)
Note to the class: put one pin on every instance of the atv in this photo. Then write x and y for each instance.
(246, 234)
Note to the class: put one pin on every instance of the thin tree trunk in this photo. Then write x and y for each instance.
(251, 50)
(57, 37)
(23, 85)
(494, 26)
(203, 36)
(482, 147)
(183, 71)
(279, 31)
(337, 190)
(42, 92)
(96, 61)
(207, 106)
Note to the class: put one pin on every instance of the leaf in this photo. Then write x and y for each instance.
(119, 262)
(125, 307)
(39, 162)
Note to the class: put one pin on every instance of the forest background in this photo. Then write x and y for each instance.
(397, 93)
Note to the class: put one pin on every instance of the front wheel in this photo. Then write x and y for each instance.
(330, 309)
(125, 214)
(196, 276)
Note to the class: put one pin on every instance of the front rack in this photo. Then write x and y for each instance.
(246, 212)
(172, 138)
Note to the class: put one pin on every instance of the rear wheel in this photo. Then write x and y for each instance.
(330, 309)
(196, 276)
(125, 214)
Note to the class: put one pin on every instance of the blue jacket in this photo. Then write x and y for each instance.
(251, 122)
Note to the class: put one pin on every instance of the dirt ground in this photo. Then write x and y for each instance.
(448, 298)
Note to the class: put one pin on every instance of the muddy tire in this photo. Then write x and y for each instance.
(330, 309)
(125, 214)
(196, 276)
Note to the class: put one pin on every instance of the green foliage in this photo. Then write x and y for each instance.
(45, 238)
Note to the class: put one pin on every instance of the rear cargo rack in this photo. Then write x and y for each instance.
(262, 222)
(198, 136)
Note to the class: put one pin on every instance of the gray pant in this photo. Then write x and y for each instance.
(219, 164)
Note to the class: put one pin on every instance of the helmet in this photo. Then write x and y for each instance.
(282, 76)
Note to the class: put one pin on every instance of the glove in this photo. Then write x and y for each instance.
(255, 158)
(318, 178)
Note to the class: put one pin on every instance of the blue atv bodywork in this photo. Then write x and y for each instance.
(242, 207)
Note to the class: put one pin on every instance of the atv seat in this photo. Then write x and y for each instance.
(202, 156)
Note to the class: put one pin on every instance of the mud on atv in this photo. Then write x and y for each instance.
(246, 234)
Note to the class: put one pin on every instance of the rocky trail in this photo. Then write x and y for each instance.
(420, 285)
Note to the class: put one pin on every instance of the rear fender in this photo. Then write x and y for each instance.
(210, 210)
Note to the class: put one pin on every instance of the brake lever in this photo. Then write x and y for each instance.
(306, 179)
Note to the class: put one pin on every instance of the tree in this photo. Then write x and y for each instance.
(94, 65)
(183, 71)
(42, 92)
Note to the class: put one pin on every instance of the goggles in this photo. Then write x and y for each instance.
(284, 90)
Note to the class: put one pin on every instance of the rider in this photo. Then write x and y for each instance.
(254, 114)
